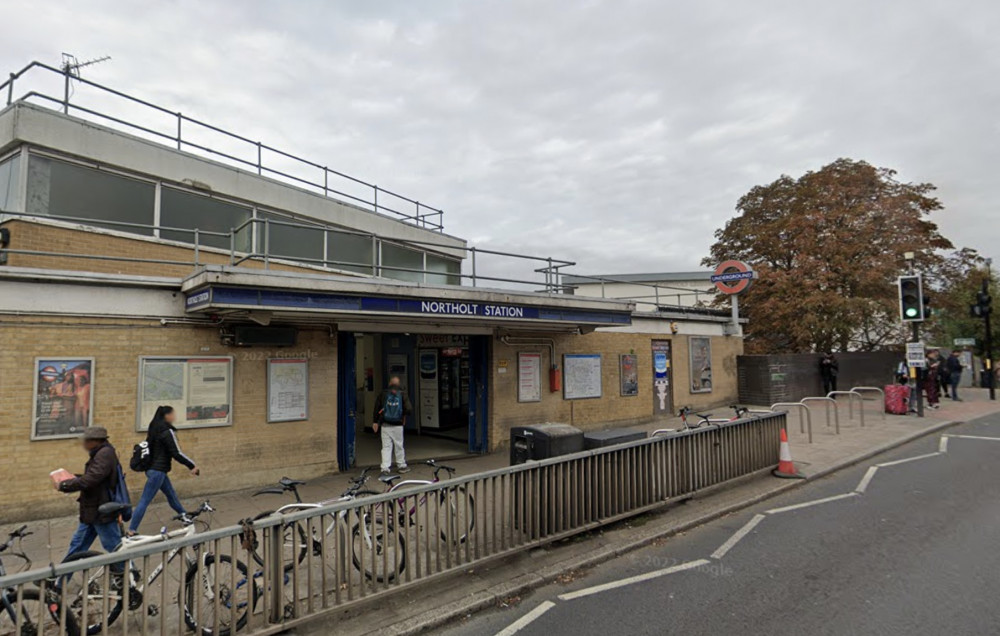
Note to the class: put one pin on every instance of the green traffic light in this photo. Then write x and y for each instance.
(911, 312)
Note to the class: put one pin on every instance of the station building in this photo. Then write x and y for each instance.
(268, 299)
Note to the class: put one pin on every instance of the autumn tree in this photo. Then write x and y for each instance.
(828, 247)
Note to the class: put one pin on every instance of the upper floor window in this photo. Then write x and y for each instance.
(96, 197)
(185, 212)
(10, 180)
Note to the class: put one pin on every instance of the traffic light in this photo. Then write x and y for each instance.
(983, 301)
(911, 298)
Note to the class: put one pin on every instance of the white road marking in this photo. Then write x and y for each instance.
(867, 479)
(526, 620)
(943, 444)
(909, 459)
(569, 596)
(814, 502)
(733, 540)
(992, 439)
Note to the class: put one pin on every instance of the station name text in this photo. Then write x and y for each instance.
(470, 309)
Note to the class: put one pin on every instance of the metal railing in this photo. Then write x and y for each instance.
(256, 155)
(297, 566)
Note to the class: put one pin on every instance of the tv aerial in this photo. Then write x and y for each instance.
(71, 65)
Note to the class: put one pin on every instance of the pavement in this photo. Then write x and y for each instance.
(411, 610)
(900, 544)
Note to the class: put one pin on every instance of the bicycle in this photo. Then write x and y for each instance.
(368, 535)
(686, 425)
(456, 499)
(212, 575)
(30, 612)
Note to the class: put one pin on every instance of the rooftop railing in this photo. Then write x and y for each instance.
(173, 128)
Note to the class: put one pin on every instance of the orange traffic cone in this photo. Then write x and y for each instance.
(786, 468)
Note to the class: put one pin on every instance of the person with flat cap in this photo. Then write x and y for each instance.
(95, 486)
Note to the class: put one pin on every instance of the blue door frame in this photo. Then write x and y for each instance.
(479, 389)
(347, 398)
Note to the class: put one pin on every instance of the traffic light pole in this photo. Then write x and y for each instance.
(919, 374)
(988, 363)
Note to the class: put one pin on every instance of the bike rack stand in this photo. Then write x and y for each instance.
(808, 417)
(828, 401)
(859, 389)
(850, 403)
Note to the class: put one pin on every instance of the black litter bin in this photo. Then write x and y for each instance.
(542, 441)
(600, 439)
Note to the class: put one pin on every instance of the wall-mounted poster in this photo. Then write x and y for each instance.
(662, 396)
(199, 388)
(64, 397)
(287, 389)
(582, 376)
(629, 369)
(529, 377)
(701, 364)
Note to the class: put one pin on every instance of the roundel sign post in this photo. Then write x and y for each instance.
(733, 278)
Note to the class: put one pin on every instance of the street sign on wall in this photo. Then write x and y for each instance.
(965, 342)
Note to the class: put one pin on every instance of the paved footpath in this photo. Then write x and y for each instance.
(478, 587)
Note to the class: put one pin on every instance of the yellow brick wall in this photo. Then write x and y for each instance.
(40, 237)
(613, 410)
(249, 452)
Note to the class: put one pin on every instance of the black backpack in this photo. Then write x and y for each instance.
(142, 457)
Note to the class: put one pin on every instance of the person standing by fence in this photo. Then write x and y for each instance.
(953, 367)
(828, 371)
(164, 449)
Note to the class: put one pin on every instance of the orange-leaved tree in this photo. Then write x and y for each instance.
(828, 247)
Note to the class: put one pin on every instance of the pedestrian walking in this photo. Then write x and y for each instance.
(164, 449)
(95, 486)
(828, 371)
(931, 382)
(391, 410)
(953, 367)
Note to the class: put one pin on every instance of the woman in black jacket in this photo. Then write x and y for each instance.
(164, 449)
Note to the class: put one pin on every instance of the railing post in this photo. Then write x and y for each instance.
(549, 277)
(267, 243)
(375, 256)
(232, 246)
(375, 187)
(260, 163)
(180, 118)
(473, 250)
(277, 591)
(10, 89)
(66, 90)
(326, 181)
(196, 239)
(419, 220)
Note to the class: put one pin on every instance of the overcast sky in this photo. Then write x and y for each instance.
(618, 134)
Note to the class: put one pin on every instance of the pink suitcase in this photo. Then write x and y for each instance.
(897, 399)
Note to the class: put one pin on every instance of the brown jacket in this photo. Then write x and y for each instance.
(94, 485)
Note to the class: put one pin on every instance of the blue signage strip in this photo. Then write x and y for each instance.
(248, 297)
(730, 276)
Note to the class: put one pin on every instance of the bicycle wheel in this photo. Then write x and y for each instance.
(93, 601)
(213, 580)
(293, 548)
(378, 550)
(456, 514)
(34, 615)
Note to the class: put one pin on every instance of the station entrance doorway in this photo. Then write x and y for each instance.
(445, 377)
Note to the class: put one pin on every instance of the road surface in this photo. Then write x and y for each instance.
(907, 548)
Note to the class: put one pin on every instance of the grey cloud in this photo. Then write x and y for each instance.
(617, 134)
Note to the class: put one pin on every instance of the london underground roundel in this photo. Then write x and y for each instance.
(732, 277)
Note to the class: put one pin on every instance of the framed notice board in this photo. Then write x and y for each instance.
(287, 389)
(529, 377)
(200, 388)
(581, 376)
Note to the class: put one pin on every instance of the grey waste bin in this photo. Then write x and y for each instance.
(541, 441)
(600, 439)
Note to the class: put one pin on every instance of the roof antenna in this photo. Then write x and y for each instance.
(71, 69)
